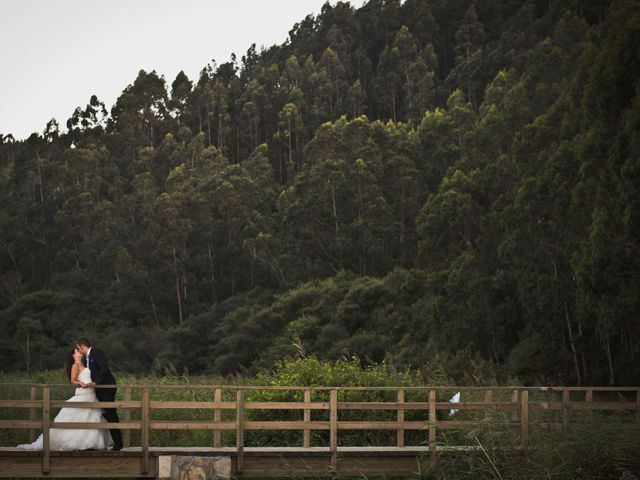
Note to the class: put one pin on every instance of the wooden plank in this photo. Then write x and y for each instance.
(31, 424)
(383, 406)
(638, 406)
(187, 425)
(276, 425)
(287, 425)
(144, 434)
(239, 431)
(615, 405)
(588, 398)
(95, 426)
(349, 467)
(326, 389)
(524, 416)
(80, 465)
(96, 404)
(333, 428)
(545, 405)
(386, 425)
(458, 424)
(157, 405)
(566, 407)
(217, 418)
(424, 405)
(286, 406)
(32, 404)
(306, 417)
(588, 395)
(126, 436)
(476, 405)
(515, 396)
(46, 435)
(488, 399)
(432, 421)
(400, 420)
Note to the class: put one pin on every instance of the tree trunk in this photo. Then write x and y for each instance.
(583, 360)
(28, 354)
(610, 361)
(573, 345)
(155, 310)
(213, 274)
(290, 142)
(40, 179)
(177, 278)
(220, 139)
(335, 212)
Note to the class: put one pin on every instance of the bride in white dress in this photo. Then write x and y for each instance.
(76, 439)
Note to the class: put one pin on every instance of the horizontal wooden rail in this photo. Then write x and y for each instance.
(286, 406)
(438, 388)
(191, 405)
(177, 425)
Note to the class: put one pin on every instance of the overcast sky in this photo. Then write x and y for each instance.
(56, 54)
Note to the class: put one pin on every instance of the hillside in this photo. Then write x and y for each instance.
(402, 181)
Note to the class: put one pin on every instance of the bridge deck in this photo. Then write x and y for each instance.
(258, 461)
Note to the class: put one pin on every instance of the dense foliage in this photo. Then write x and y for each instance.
(402, 181)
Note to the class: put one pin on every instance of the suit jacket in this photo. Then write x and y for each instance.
(100, 373)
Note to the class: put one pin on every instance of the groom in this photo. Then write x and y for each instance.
(96, 362)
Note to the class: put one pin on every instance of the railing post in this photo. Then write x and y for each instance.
(588, 397)
(333, 427)
(126, 440)
(638, 406)
(217, 397)
(488, 398)
(566, 407)
(144, 435)
(240, 430)
(524, 416)
(306, 434)
(515, 397)
(46, 437)
(33, 415)
(432, 421)
(400, 434)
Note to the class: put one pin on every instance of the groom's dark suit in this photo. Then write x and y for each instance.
(101, 375)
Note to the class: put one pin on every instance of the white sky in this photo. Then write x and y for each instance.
(55, 54)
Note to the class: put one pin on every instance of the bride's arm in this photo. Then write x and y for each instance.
(75, 371)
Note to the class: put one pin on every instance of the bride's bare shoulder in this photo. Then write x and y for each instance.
(75, 371)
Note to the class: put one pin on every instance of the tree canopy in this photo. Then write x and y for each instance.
(399, 182)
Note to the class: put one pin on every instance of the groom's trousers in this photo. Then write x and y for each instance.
(110, 414)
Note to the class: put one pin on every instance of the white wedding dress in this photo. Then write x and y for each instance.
(80, 439)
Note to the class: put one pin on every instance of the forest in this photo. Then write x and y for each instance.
(403, 182)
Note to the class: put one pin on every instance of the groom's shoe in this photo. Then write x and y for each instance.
(116, 448)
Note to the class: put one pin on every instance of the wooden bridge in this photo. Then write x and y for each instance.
(295, 431)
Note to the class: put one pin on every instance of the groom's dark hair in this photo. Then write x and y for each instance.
(84, 341)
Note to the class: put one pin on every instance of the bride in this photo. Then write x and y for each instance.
(76, 439)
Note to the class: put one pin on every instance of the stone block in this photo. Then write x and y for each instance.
(178, 467)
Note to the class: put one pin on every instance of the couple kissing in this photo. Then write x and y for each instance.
(86, 367)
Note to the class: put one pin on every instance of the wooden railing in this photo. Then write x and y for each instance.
(410, 418)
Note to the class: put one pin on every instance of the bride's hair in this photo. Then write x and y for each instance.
(68, 363)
